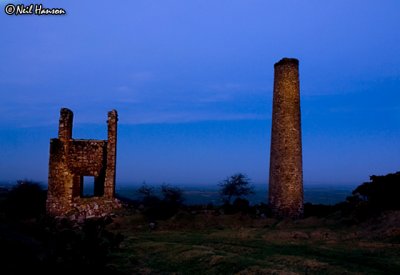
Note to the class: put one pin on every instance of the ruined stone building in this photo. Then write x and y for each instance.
(74, 160)
(286, 171)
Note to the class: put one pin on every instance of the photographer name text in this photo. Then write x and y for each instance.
(32, 9)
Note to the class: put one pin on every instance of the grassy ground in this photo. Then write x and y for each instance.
(235, 244)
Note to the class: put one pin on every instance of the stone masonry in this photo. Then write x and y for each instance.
(286, 172)
(71, 160)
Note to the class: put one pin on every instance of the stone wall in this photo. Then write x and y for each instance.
(286, 172)
(72, 159)
(86, 157)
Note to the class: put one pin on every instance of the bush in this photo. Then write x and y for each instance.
(381, 193)
(52, 246)
(317, 210)
(84, 249)
(26, 200)
(145, 191)
(172, 195)
(371, 198)
(238, 205)
(161, 208)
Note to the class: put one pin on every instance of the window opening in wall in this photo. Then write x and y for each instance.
(87, 187)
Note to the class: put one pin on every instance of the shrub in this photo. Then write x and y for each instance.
(26, 200)
(83, 249)
(381, 193)
(161, 208)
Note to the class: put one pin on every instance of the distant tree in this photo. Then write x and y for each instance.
(371, 198)
(382, 192)
(173, 195)
(145, 190)
(161, 208)
(148, 196)
(237, 185)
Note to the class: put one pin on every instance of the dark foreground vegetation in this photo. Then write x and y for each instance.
(160, 235)
(32, 243)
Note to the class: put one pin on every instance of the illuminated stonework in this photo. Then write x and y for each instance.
(73, 159)
(286, 172)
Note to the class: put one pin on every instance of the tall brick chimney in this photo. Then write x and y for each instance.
(286, 171)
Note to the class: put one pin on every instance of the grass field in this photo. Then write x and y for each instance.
(204, 244)
(201, 241)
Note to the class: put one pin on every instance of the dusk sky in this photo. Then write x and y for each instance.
(192, 82)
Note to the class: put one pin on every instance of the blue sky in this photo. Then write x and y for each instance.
(192, 82)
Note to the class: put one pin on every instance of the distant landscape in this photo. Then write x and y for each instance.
(206, 194)
(197, 194)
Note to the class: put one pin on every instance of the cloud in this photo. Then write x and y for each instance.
(186, 117)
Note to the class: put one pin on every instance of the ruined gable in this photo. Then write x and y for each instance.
(73, 159)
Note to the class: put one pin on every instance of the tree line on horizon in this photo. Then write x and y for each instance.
(27, 198)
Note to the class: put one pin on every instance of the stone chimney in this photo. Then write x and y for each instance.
(286, 171)
(65, 124)
(109, 184)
